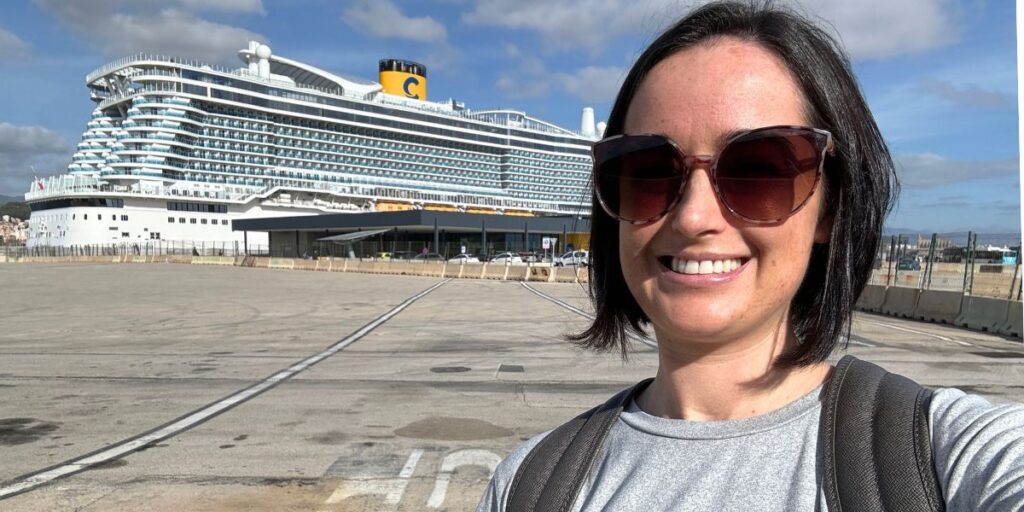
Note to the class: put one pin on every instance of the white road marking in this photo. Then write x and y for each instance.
(29, 482)
(410, 465)
(915, 331)
(391, 488)
(454, 460)
(642, 339)
(852, 341)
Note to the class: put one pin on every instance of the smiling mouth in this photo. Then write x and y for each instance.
(682, 266)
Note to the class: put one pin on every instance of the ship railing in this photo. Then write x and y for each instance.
(438, 108)
(140, 58)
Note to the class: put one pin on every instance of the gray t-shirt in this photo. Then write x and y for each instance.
(770, 462)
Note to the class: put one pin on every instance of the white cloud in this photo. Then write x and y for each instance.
(21, 148)
(122, 27)
(593, 84)
(242, 6)
(868, 28)
(382, 18)
(925, 170)
(576, 24)
(12, 48)
(531, 79)
(969, 95)
(885, 28)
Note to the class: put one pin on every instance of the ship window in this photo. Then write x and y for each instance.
(203, 221)
(124, 234)
(170, 220)
(99, 216)
(224, 222)
(124, 217)
(72, 216)
(192, 221)
(181, 220)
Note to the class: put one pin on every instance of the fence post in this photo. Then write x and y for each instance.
(1013, 281)
(931, 260)
(892, 251)
(967, 263)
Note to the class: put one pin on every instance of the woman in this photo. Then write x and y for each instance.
(740, 193)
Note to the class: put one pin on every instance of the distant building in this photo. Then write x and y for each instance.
(13, 231)
(924, 243)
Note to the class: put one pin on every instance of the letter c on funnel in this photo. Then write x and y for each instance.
(410, 82)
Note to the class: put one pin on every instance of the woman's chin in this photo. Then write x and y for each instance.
(701, 326)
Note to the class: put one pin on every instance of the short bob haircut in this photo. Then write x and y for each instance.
(860, 184)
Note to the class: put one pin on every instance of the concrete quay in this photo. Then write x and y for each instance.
(375, 395)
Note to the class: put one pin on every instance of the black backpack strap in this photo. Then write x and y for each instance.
(552, 474)
(875, 442)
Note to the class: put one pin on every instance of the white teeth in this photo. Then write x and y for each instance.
(705, 266)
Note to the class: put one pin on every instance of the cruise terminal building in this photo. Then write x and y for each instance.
(409, 232)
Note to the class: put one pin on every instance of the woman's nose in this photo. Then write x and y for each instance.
(698, 211)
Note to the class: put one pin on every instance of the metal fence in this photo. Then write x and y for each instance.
(410, 249)
(149, 248)
(985, 265)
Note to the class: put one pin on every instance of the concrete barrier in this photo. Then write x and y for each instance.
(304, 264)
(472, 270)
(871, 298)
(495, 271)
(900, 302)
(518, 272)
(1014, 324)
(542, 274)
(983, 313)
(261, 262)
(454, 271)
(282, 263)
(213, 260)
(938, 306)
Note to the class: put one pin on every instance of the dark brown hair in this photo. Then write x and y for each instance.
(859, 180)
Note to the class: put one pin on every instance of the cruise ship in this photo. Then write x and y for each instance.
(177, 149)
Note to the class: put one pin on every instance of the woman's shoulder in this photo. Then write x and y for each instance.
(496, 495)
(978, 449)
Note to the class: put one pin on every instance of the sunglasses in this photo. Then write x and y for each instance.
(762, 176)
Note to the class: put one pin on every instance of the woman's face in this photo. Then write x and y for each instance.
(696, 97)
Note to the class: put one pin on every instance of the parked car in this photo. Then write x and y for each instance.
(506, 258)
(573, 258)
(402, 255)
(464, 258)
(908, 265)
(427, 256)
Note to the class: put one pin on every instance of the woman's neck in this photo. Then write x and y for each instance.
(728, 382)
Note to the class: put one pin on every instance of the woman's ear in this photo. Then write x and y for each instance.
(823, 231)
(826, 217)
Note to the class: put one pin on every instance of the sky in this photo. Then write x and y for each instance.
(939, 75)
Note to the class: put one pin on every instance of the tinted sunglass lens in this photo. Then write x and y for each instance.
(767, 176)
(637, 184)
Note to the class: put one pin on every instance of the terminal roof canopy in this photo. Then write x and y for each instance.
(352, 237)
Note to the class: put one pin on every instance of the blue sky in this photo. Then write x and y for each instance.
(940, 75)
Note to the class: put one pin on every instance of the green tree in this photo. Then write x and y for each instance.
(15, 209)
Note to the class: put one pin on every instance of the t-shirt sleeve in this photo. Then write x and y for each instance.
(495, 497)
(979, 452)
